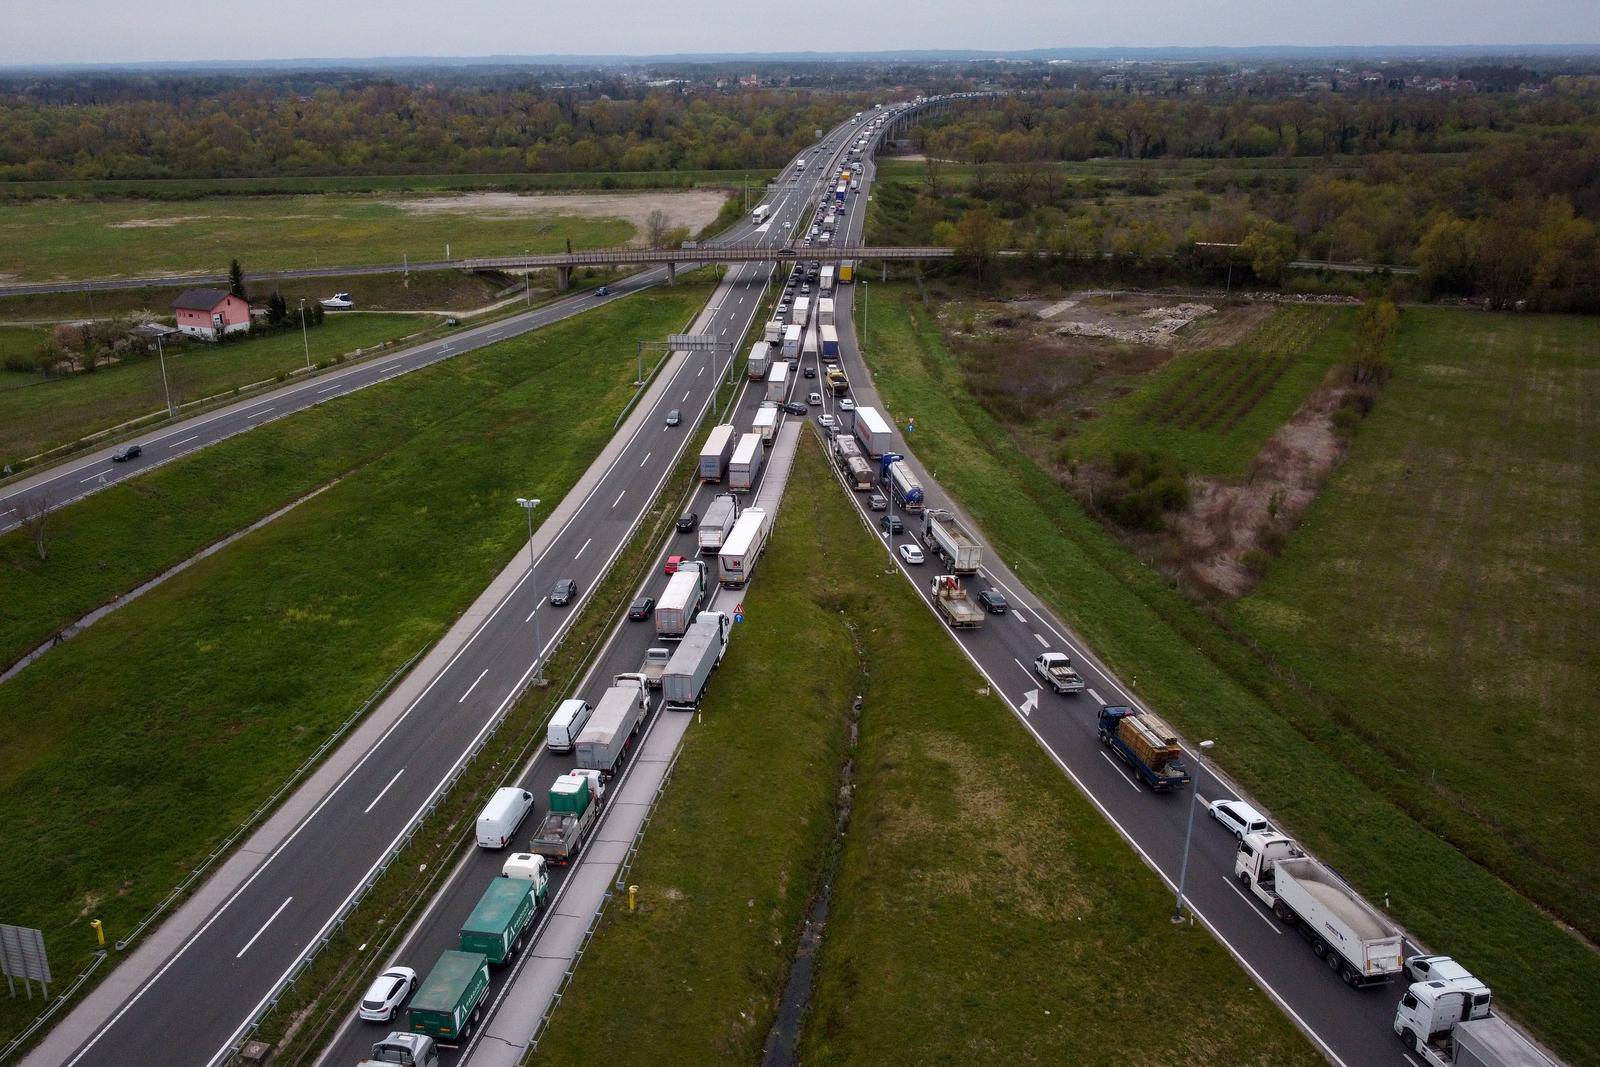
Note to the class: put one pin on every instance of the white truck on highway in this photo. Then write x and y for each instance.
(697, 655)
(615, 720)
(685, 592)
(943, 534)
(761, 214)
(745, 466)
(765, 422)
(1449, 1024)
(716, 522)
(825, 310)
(1357, 942)
(953, 603)
(874, 431)
(1057, 671)
(715, 452)
(755, 367)
(654, 665)
(743, 547)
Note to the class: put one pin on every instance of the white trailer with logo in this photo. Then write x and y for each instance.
(743, 547)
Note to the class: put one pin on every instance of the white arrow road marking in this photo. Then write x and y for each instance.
(264, 926)
(92, 477)
(1030, 700)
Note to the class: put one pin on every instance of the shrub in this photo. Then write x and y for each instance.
(1255, 561)
(1272, 540)
(22, 364)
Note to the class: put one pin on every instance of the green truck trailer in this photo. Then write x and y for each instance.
(504, 912)
(449, 1002)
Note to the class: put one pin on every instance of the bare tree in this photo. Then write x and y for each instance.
(33, 511)
(656, 226)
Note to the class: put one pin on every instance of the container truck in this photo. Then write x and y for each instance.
(792, 335)
(838, 193)
(1056, 669)
(826, 283)
(808, 349)
(745, 466)
(1146, 744)
(895, 473)
(950, 599)
(679, 602)
(765, 422)
(403, 1050)
(800, 314)
(761, 214)
(874, 432)
(449, 1002)
(755, 367)
(1449, 1026)
(777, 381)
(501, 917)
(1353, 938)
(616, 719)
(943, 533)
(825, 312)
(772, 333)
(716, 522)
(573, 812)
(715, 452)
(653, 665)
(830, 343)
(698, 654)
(743, 547)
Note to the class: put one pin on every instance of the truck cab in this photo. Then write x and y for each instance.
(1430, 1010)
(406, 1050)
(1256, 859)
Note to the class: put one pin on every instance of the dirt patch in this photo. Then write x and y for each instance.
(693, 208)
(160, 223)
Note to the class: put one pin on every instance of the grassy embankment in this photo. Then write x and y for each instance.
(59, 411)
(1313, 760)
(191, 704)
(929, 944)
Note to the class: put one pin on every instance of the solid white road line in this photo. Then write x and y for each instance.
(259, 411)
(471, 687)
(382, 791)
(185, 441)
(331, 388)
(1040, 638)
(264, 926)
(1120, 772)
(92, 477)
(646, 458)
(1022, 667)
(578, 553)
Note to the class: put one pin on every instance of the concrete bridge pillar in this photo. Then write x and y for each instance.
(672, 273)
(563, 279)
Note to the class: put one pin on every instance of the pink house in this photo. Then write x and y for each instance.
(210, 313)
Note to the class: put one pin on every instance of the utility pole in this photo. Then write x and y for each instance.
(305, 338)
(161, 354)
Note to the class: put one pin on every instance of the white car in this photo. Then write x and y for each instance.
(847, 404)
(815, 400)
(911, 553)
(387, 992)
(825, 421)
(1240, 818)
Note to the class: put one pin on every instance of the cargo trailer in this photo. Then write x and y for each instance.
(616, 719)
(791, 341)
(778, 381)
(943, 533)
(874, 432)
(745, 467)
(715, 452)
(809, 347)
(825, 312)
(716, 522)
(501, 917)
(679, 602)
(826, 284)
(449, 1003)
(756, 366)
(765, 422)
(697, 655)
(800, 314)
(743, 547)
(830, 342)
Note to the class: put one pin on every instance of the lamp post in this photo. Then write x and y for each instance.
(304, 337)
(1183, 870)
(161, 354)
(527, 505)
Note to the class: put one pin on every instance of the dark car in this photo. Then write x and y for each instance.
(563, 592)
(787, 252)
(892, 524)
(603, 291)
(674, 417)
(993, 602)
(125, 453)
(688, 521)
(810, 371)
(794, 408)
(640, 609)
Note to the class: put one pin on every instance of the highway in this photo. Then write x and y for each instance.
(197, 1005)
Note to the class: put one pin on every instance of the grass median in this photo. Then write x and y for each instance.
(1299, 753)
(929, 943)
(188, 706)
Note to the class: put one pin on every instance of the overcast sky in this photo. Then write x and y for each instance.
(101, 31)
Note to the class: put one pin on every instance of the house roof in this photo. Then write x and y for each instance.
(200, 299)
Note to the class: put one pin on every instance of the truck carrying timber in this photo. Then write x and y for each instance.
(765, 422)
(755, 368)
(943, 534)
(449, 1003)
(743, 547)
(874, 431)
(681, 599)
(716, 522)
(778, 381)
(502, 915)
(1145, 744)
(895, 473)
(715, 452)
(953, 603)
(745, 467)
(616, 719)
(1355, 940)
(697, 655)
(574, 809)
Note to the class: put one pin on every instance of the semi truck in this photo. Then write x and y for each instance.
(654, 665)
(1145, 744)
(755, 368)
(800, 315)
(449, 1002)
(1446, 1025)
(1057, 671)
(955, 606)
(847, 271)
(403, 1050)
(685, 592)
(716, 522)
(765, 422)
(838, 381)
(854, 466)
(826, 283)
(697, 655)
(616, 719)
(778, 381)
(745, 467)
(874, 432)
(1355, 940)
(791, 340)
(772, 333)
(574, 809)
(761, 214)
(501, 917)
(715, 452)
(825, 311)
(809, 348)
(737, 560)
(943, 534)
(830, 342)
(895, 473)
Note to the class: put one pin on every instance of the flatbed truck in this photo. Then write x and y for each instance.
(1146, 744)
(954, 604)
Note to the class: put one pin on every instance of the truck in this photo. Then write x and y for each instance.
(778, 381)
(502, 915)
(616, 719)
(772, 333)
(954, 605)
(743, 547)
(830, 344)
(808, 350)
(895, 473)
(574, 809)
(1056, 669)
(1357, 942)
(653, 665)
(698, 654)
(800, 314)
(765, 422)
(681, 599)
(761, 214)
(838, 382)
(403, 1050)
(755, 368)
(825, 311)
(943, 534)
(449, 1002)
(791, 340)
(745, 467)
(874, 432)
(847, 271)
(826, 283)
(1446, 1025)
(1145, 744)
(838, 193)
(852, 464)
(716, 522)
(715, 452)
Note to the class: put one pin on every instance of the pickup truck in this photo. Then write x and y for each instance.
(1146, 744)
(1056, 669)
(655, 662)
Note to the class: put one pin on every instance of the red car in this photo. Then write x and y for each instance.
(672, 564)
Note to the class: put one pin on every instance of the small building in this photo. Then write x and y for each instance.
(210, 313)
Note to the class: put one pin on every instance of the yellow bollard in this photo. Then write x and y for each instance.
(633, 893)
(99, 931)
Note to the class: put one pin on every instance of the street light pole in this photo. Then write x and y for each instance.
(161, 354)
(528, 505)
(304, 337)
(1183, 870)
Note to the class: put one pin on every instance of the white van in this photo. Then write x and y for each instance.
(566, 724)
(502, 815)
(1240, 818)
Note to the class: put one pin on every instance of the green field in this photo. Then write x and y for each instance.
(59, 411)
(65, 238)
(189, 705)
(929, 946)
(1444, 872)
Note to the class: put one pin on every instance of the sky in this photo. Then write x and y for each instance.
(109, 31)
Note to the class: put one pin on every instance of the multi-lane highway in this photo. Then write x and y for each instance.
(197, 1004)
